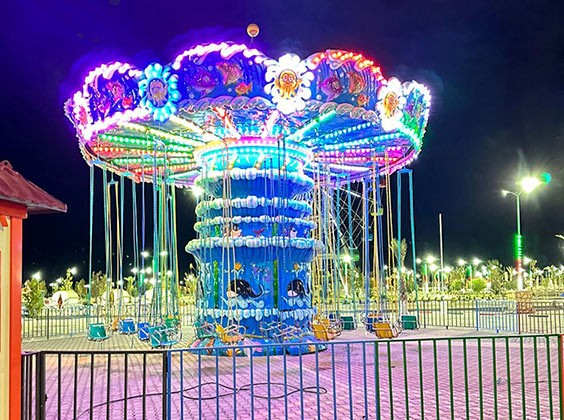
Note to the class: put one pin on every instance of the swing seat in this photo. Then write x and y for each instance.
(115, 325)
(204, 330)
(143, 331)
(230, 335)
(386, 330)
(409, 322)
(348, 322)
(162, 337)
(371, 320)
(269, 330)
(281, 333)
(97, 332)
(127, 326)
(287, 333)
(172, 322)
(321, 332)
(333, 326)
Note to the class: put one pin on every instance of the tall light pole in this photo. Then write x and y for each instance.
(518, 242)
(527, 185)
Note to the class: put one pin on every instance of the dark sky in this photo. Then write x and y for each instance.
(495, 70)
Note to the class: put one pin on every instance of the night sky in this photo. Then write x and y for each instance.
(495, 70)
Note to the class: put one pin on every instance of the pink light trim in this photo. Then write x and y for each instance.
(226, 50)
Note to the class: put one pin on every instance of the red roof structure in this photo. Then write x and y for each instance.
(14, 188)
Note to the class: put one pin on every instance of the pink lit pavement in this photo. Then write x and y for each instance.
(420, 388)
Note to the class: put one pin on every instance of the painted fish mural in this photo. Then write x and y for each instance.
(332, 87)
(202, 82)
(230, 73)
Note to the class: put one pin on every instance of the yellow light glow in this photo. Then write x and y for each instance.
(530, 183)
(197, 190)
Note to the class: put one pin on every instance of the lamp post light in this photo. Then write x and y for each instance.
(527, 262)
(434, 271)
(429, 260)
(346, 259)
(474, 266)
(527, 184)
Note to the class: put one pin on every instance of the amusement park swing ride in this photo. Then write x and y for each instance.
(293, 158)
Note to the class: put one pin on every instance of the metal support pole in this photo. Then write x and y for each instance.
(414, 255)
(365, 184)
(441, 275)
(519, 256)
(399, 267)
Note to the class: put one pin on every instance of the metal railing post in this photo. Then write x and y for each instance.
(561, 373)
(477, 314)
(424, 314)
(40, 396)
(47, 323)
(518, 316)
(166, 378)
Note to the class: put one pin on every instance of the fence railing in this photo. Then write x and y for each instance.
(31, 374)
(541, 316)
(497, 315)
(536, 316)
(72, 321)
(499, 377)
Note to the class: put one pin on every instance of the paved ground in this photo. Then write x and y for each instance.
(363, 379)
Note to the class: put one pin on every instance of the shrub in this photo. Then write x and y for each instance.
(33, 294)
(456, 285)
(478, 284)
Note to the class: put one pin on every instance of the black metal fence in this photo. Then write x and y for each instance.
(499, 377)
(30, 376)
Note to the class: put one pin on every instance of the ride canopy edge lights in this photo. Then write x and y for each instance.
(256, 135)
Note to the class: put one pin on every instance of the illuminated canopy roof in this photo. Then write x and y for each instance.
(337, 104)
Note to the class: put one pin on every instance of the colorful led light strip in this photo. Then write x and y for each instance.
(299, 134)
(164, 135)
(146, 144)
(186, 124)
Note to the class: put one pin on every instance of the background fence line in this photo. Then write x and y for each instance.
(497, 315)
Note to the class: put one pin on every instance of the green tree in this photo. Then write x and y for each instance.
(496, 276)
(33, 295)
(67, 283)
(402, 250)
(456, 285)
(457, 279)
(130, 287)
(190, 282)
(478, 284)
(81, 290)
(98, 286)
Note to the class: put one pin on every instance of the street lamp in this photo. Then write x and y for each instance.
(197, 191)
(527, 184)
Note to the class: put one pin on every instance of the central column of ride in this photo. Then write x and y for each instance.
(254, 248)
